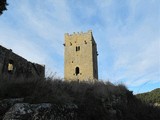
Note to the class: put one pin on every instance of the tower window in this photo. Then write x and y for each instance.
(77, 70)
(10, 66)
(77, 48)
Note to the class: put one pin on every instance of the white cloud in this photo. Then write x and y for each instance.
(40, 32)
(134, 45)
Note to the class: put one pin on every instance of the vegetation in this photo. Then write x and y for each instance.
(150, 97)
(3, 5)
(95, 101)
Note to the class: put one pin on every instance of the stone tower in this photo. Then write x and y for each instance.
(80, 57)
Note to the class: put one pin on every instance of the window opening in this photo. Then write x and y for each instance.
(77, 70)
(10, 66)
(77, 48)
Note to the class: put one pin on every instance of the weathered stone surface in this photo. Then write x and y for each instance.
(21, 67)
(157, 104)
(80, 57)
(43, 111)
(6, 104)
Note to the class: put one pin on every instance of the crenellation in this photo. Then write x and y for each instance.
(78, 34)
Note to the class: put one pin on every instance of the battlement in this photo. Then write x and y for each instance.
(89, 32)
(77, 38)
(79, 34)
(21, 67)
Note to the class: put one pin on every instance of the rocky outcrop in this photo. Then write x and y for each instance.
(43, 111)
(112, 108)
(6, 104)
(157, 104)
(16, 109)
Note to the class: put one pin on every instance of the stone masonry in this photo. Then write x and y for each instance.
(21, 67)
(80, 57)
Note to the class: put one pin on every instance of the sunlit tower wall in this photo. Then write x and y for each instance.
(80, 57)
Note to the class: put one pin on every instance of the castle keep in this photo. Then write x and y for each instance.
(18, 66)
(80, 56)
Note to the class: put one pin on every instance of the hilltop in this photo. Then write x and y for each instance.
(152, 97)
(59, 100)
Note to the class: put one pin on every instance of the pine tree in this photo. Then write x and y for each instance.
(3, 4)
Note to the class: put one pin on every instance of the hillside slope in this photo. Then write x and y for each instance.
(94, 101)
(150, 97)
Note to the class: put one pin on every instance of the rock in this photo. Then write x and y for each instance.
(157, 104)
(6, 104)
(43, 111)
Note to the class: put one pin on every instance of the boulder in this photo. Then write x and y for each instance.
(43, 111)
(6, 104)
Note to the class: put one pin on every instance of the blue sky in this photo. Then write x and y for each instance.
(127, 33)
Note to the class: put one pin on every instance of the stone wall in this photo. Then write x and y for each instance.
(21, 67)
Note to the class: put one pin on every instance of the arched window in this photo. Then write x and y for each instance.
(77, 70)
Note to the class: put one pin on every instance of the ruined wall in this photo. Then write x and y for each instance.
(21, 67)
(80, 57)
